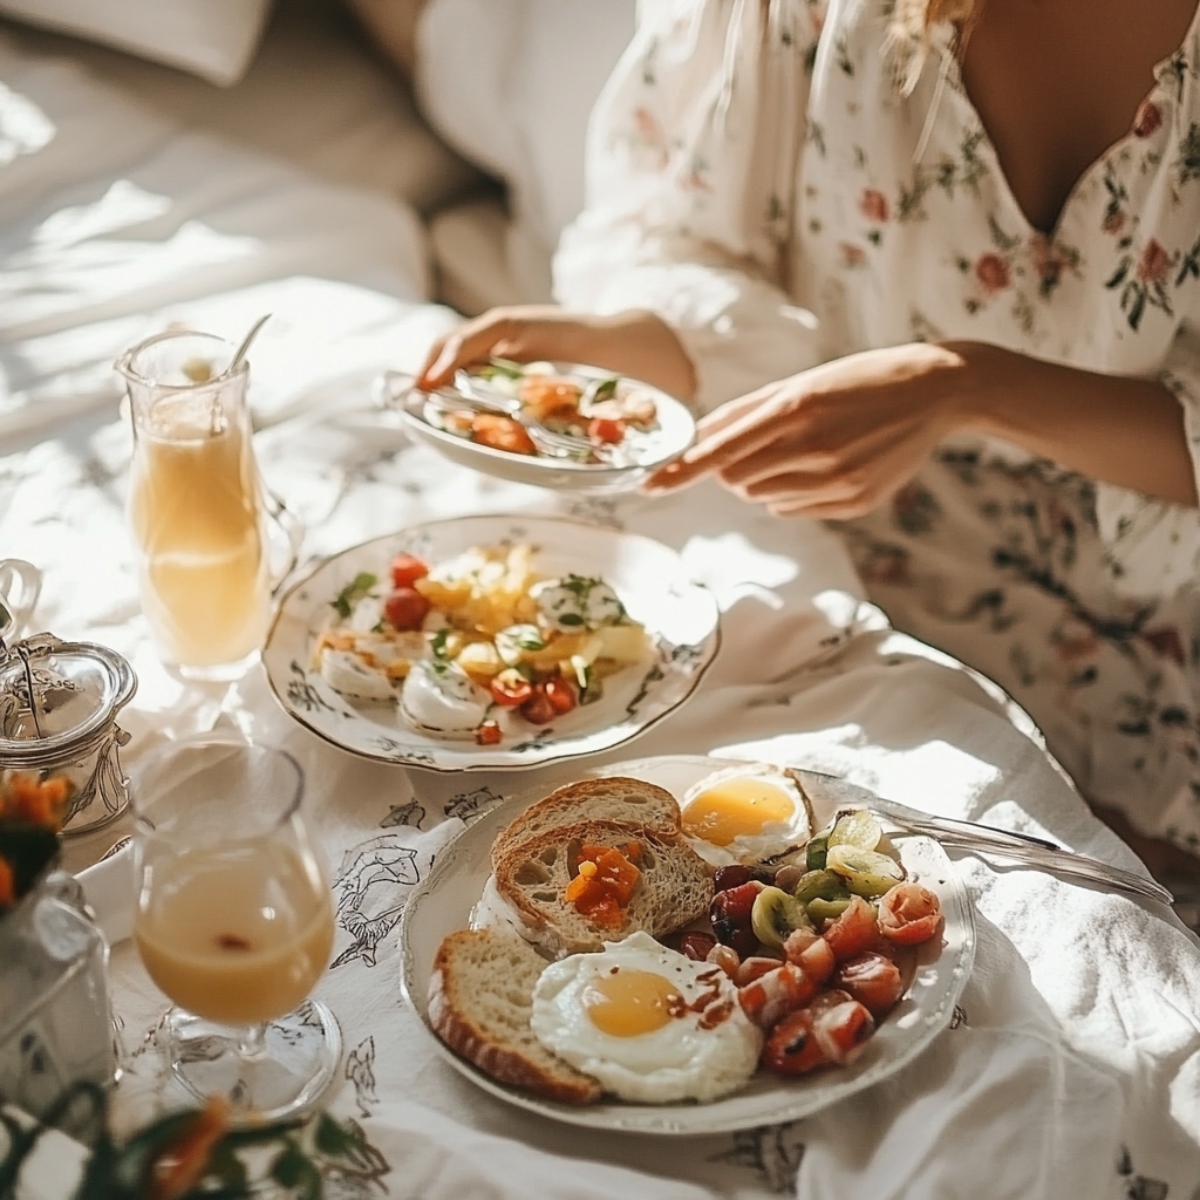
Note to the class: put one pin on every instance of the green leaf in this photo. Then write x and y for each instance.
(293, 1169)
(437, 643)
(528, 637)
(343, 603)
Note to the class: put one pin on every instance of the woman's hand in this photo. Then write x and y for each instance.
(634, 343)
(835, 441)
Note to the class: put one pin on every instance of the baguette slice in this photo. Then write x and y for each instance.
(617, 798)
(480, 999)
(675, 886)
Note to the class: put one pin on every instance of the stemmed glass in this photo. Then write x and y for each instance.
(234, 922)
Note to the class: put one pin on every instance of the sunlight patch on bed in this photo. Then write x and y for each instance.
(123, 205)
(24, 127)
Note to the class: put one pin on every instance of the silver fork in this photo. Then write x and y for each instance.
(473, 393)
(831, 791)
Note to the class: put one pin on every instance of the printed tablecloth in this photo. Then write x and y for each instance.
(1072, 1066)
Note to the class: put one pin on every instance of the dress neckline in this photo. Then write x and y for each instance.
(1163, 71)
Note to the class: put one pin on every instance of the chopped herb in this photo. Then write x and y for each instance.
(592, 688)
(602, 389)
(343, 603)
(438, 645)
(502, 366)
(570, 619)
(528, 637)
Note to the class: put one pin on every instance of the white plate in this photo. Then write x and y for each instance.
(680, 615)
(443, 901)
(647, 451)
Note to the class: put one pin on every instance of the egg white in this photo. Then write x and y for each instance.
(678, 1061)
(776, 837)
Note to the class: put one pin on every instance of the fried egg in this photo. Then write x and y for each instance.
(744, 814)
(650, 1024)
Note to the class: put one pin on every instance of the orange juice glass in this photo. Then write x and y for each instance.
(234, 922)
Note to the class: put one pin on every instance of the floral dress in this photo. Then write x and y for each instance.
(759, 176)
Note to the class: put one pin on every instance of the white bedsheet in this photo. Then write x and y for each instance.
(115, 221)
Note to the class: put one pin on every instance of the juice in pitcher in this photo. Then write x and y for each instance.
(196, 504)
(196, 516)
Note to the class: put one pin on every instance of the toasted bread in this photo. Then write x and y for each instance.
(480, 999)
(644, 805)
(674, 888)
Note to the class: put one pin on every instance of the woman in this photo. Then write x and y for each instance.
(944, 256)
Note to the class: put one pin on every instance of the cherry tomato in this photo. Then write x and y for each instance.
(407, 569)
(854, 931)
(501, 433)
(488, 734)
(909, 914)
(696, 945)
(874, 981)
(606, 429)
(539, 708)
(405, 608)
(791, 1048)
(561, 694)
(510, 688)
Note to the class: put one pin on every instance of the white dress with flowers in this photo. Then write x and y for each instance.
(757, 176)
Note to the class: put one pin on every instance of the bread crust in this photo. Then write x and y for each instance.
(616, 797)
(454, 1017)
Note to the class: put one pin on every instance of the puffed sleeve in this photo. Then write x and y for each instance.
(692, 167)
(1154, 547)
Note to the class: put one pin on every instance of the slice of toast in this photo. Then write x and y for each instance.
(616, 798)
(674, 888)
(480, 999)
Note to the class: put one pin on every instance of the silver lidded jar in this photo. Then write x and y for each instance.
(58, 716)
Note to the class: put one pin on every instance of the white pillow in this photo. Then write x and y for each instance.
(214, 39)
(510, 85)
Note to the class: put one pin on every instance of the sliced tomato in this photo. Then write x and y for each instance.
(909, 914)
(561, 693)
(488, 734)
(405, 608)
(842, 1029)
(609, 430)
(407, 569)
(510, 688)
(539, 708)
(501, 433)
(854, 931)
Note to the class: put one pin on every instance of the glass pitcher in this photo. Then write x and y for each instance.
(200, 515)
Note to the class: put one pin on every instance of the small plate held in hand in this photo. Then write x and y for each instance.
(624, 469)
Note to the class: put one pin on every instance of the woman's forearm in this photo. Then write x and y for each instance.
(1123, 431)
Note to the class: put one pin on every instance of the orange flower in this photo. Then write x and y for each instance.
(8, 888)
(39, 801)
(183, 1163)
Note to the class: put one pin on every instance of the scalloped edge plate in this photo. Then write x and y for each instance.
(651, 579)
(443, 901)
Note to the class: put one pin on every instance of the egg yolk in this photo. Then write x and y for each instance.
(736, 807)
(630, 1003)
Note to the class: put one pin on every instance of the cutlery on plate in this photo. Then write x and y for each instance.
(478, 395)
(987, 839)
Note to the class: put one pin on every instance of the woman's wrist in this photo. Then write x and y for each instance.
(983, 384)
(640, 343)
